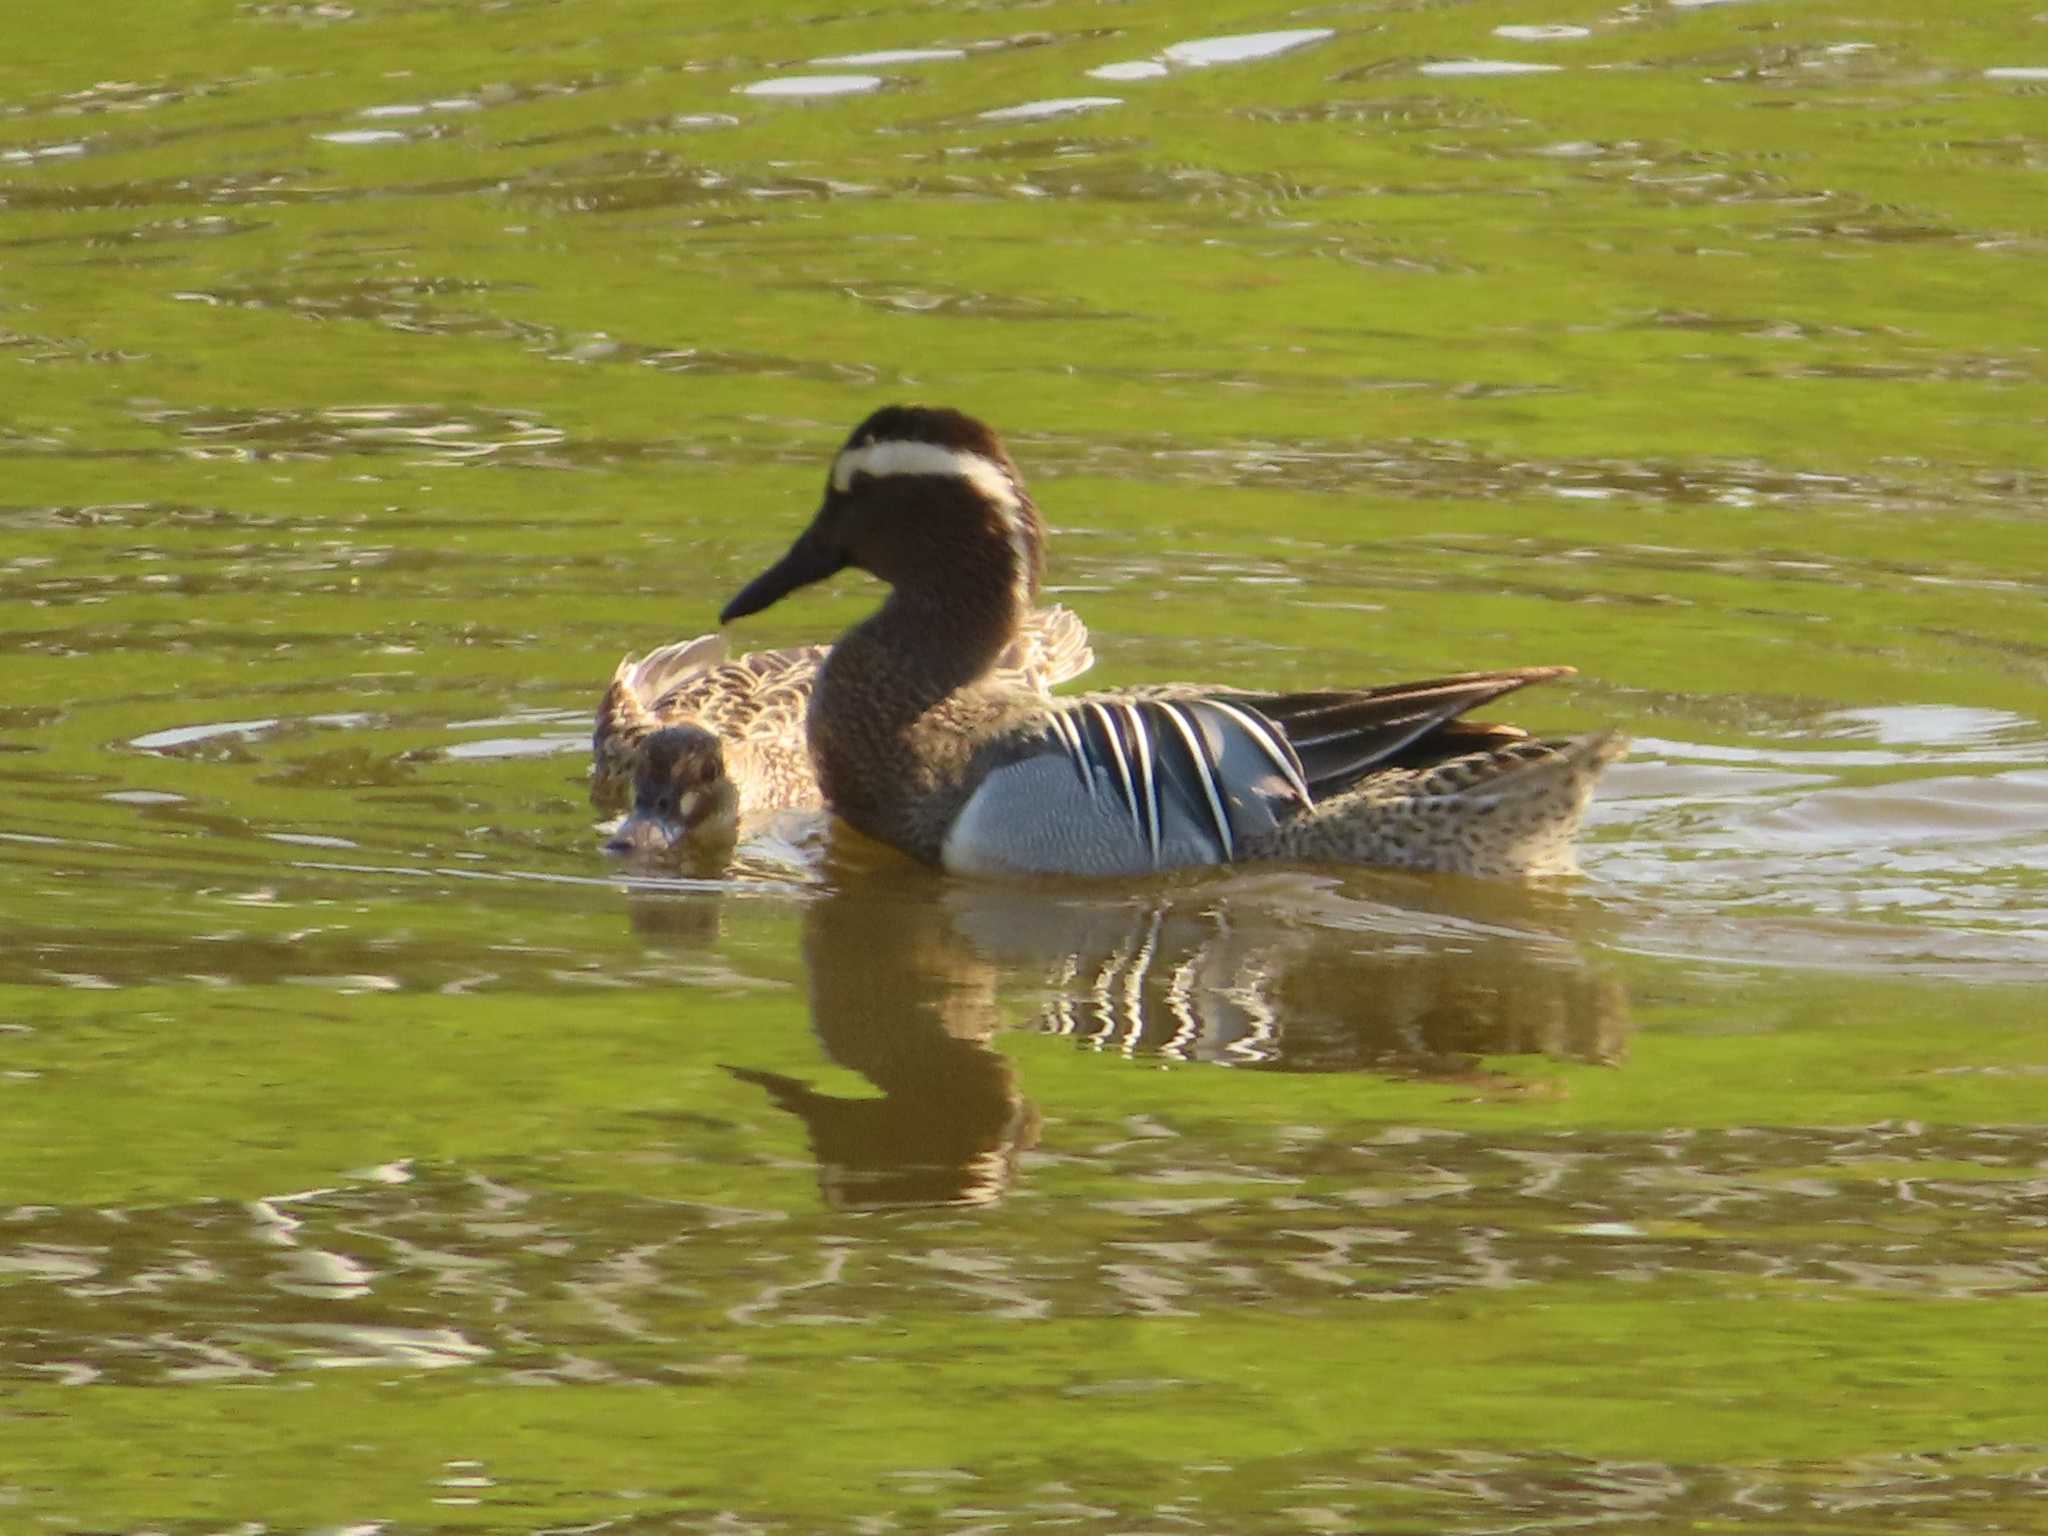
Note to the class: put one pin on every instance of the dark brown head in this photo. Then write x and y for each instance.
(923, 497)
(681, 794)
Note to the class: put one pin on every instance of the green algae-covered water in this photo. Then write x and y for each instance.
(377, 1157)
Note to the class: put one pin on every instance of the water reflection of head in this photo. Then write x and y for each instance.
(896, 997)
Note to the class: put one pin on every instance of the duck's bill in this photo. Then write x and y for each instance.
(809, 559)
(642, 836)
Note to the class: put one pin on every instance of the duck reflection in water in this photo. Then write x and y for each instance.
(1287, 970)
(1392, 973)
(898, 997)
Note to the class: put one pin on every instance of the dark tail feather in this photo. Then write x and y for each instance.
(1341, 737)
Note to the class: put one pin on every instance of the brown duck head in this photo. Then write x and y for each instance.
(925, 498)
(682, 795)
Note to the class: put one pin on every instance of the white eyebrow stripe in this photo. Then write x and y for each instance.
(897, 456)
(903, 456)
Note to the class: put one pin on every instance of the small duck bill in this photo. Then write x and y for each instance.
(811, 558)
(646, 837)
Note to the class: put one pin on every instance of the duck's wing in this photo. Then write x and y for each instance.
(1120, 783)
(1341, 737)
(663, 669)
(762, 696)
(1052, 649)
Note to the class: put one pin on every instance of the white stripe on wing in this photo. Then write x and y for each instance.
(1148, 787)
(1198, 756)
(1271, 742)
(1123, 767)
(1077, 750)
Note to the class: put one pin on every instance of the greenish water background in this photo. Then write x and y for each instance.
(375, 1156)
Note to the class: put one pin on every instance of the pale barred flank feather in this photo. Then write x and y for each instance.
(1510, 810)
(1519, 769)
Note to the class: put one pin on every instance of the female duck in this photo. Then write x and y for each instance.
(692, 741)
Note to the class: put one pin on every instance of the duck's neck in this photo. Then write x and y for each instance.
(895, 721)
(921, 647)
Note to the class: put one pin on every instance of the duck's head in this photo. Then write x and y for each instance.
(928, 500)
(681, 795)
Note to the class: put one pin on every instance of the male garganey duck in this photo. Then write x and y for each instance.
(919, 743)
(692, 741)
